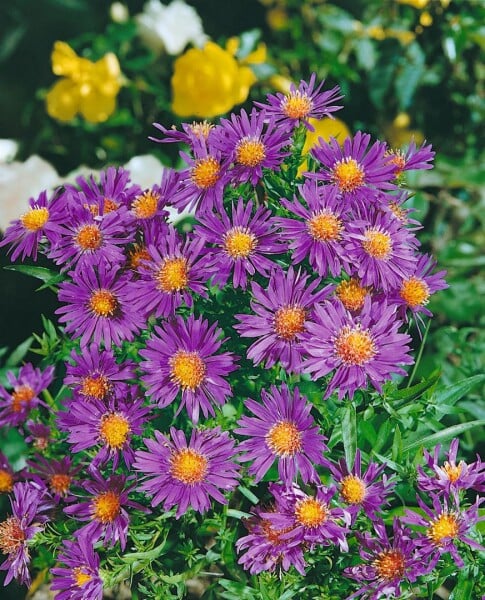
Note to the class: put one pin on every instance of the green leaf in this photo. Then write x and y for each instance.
(444, 434)
(415, 391)
(397, 445)
(46, 275)
(249, 494)
(464, 586)
(349, 433)
(18, 354)
(451, 394)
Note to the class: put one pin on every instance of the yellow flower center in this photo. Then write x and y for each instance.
(377, 244)
(173, 275)
(187, 369)
(35, 218)
(284, 439)
(96, 386)
(351, 294)
(12, 535)
(206, 172)
(399, 212)
(324, 227)
(250, 152)
(146, 205)
(239, 242)
(59, 483)
(188, 466)
(22, 396)
(103, 303)
(114, 429)
(109, 205)
(453, 471)
(289, 321)
(297, 105)
(271, 534)
(310, 512)
(444, 526)
(414, 291)
(137, 255)
(397, 158)
(6, 481)
(80, 577)
(89, 237)
(106, 506)
(354, 346)
(353, 489)
(390, 565)
(348, 175)
(201, 129)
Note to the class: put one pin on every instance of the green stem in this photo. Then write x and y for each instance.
(420, 354)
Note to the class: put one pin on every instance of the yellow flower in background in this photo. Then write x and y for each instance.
(398, 133)
(209, 81)
(88, 88)
(419, 4)
(324, 128)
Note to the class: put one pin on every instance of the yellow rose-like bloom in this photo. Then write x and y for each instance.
(324, 128)
(419, 4)
(89, 88)
(208, 82)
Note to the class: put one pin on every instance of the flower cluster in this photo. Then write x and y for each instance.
(322, 273)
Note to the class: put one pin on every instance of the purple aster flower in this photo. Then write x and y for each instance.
(361, 348)
(105, 509)
(28, 505)
(302, 103)
(414, 291)
(184, 474)
(201, 185)
(266, 549)
(412, 159)
(42, 221)
(95, 374)
(354, 168)
(282, 430)
(56, 475)
(388, 562)
(445, 524)
(15, 405)
(182, 356)
(108, 426)
(380, 249)
(450, 477)
(149, 205)
(283, 311)
(241, 242)
(309, 519)
(79, 578)
(361, 490)
(252, 142)
(112, 193)
(191, 131)
(98, 306)
(317, 234)
(39, 435)
(174, 269)
(85, 239)
(7, 475)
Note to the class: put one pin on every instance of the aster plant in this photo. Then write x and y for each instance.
(230, 392)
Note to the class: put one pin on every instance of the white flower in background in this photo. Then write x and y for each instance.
(8, 150)
(20, 181)
(118, 12)
(145, 170)
(171, 27)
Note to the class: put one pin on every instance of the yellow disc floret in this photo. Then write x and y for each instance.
(390, 565)
(206, 172)
(250, 151)
(12, 535)
(354, 346)
(173, 275)
(353, 489)
(310, 512)
(444, 527)
(377, 244)
(6, 481)
(21, 397)
(187, 369)
(324, 227)
(103, 303)
(59, 483)
(114, 430)
(284, 439)
(188, 466)
(289, 321)
(89, 237)
(97, 386)
(348, 175)
(145, 206)
(106, 506)
(414, 291)
(351, 294)
(239, 242)
(297, 105)
(80, 576)
(35, 218)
